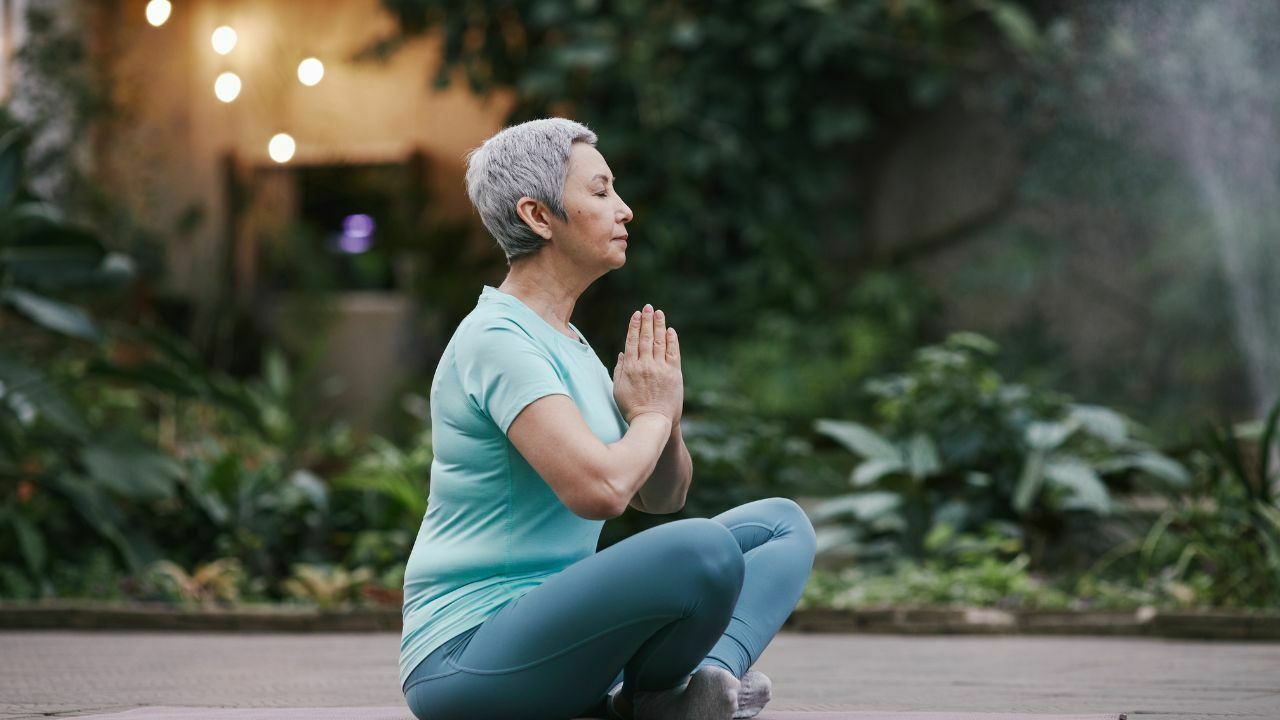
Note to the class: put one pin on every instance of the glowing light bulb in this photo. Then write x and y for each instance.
(224, 40)
(227, 87)
(310, 71)
(158, 12)
(281, 148)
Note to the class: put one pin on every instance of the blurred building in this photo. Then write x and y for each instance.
(271, 160)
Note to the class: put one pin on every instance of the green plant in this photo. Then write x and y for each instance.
(989, 569)
(738, 456)
(325, 585)
(54, 461)
(218, 581)
(958, 444)
(1219, 540)
(262, 513)
(740, 126)
(797, 367)
(401, 476)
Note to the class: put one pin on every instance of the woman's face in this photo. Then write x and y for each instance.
(594, 233)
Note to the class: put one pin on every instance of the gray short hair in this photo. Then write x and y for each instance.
(530, 159)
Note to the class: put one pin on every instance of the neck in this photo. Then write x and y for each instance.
(547, 289)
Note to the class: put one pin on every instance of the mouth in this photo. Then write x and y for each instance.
(622, 239)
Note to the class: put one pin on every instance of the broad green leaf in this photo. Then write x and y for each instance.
(1152, 463)
(100, 511)
(889, 522)
(1271, 514)
(1047, 436)
(954, 513)
(1264, 459)
(1029, 482)
(10, 166)
(34, 213)
(112, 272)
(922, 457)
(405, 491)
(939, 535)
(42, 242)
(978, 479)
(859, 438)
(31, 397)
(1103, 423)
(1016, 24)
(1088, 490)
(52, 314)
(311, 486)
(834, 537)
(131, 469)
(31, 542)
(870, 471)
(973, 341)
(149, 374)
(864, 506)
(276, 373)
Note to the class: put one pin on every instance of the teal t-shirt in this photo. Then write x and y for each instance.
(494, 529)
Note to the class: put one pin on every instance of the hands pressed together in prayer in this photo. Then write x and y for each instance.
(647, 377)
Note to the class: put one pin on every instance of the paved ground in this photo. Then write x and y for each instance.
(63, 674)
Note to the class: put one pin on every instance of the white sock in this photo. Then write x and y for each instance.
(755, 693)
(710, 694)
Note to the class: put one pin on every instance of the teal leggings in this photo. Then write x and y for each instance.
(646, 612)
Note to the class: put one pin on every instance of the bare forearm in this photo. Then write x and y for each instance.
(631, 460)
(667, 487)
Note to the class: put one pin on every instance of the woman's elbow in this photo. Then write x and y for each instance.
(606, 499)
(598, 509)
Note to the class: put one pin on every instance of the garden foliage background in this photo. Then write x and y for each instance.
(946, 271)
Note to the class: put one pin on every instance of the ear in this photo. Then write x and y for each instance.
(536, 215)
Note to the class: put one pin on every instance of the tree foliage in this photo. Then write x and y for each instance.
(741, 133)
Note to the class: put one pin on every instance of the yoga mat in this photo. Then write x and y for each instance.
(401, 713)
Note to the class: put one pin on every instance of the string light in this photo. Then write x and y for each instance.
(158, 12)
(227, 87)
(224, 40)
(281, 148)
(310, 71)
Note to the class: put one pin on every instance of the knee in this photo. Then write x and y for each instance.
(796, 521)
(711, 552)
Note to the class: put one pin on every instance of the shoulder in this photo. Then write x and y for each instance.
(490, 331)
(499, 341)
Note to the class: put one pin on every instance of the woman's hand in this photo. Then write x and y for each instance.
(647, 377)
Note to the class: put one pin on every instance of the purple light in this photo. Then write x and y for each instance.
(357, 234)
(354, 245)
(360, 226)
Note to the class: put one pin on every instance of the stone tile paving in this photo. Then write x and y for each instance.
(65, 673)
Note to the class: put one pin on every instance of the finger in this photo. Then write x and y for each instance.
(646, 332)
(659, 335)
(673, 346)
(633, 335)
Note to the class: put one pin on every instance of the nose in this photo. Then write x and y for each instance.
(625, 210)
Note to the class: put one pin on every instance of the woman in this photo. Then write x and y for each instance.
(509, 612)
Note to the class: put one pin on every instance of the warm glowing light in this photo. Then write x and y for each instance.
(281, 148)
(158, 12)
(227, 87)
(224, 40)
(310, 71)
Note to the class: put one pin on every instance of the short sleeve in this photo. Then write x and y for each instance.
(502, 370)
